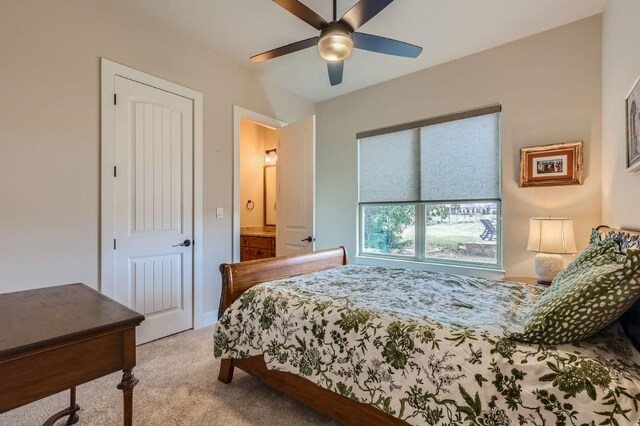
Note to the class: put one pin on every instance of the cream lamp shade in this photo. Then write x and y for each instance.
(550, 237)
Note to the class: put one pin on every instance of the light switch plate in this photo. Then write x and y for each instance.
(219, 212)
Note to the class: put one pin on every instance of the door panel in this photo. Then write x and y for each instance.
(153, 207)
(156, 282)
(157, 188)
(295, 220)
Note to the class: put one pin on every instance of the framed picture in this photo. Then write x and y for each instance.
(633, 128)
(550, 165)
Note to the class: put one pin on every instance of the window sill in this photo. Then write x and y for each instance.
(488, 272)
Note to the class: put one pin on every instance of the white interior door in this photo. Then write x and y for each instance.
(296, 183)
(153, 202)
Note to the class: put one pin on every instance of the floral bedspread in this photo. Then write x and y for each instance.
(432, 349)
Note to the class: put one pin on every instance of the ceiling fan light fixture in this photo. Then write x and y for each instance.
(335, 44)
(339, 37)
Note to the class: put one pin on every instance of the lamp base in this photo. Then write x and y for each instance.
(547, 267)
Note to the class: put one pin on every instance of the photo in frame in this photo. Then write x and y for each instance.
(551, 165)
(633, 128)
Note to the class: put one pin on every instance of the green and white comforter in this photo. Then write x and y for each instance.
(432, 349)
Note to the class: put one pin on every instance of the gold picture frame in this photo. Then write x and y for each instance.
(632, 104)
(551, 165)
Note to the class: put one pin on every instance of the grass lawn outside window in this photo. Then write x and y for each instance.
(457, 233)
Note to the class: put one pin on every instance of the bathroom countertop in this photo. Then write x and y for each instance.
(258, 232)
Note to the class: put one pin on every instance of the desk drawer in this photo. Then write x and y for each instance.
(40, 374)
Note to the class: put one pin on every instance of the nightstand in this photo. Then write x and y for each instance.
(526, 280)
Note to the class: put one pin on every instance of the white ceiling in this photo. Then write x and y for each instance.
(447, 29)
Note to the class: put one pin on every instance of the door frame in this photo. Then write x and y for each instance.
(109, 70)
(240, 113)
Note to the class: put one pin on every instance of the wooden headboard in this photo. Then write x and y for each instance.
(626, 239)
(239, 277)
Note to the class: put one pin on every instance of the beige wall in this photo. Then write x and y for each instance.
(549, 86)
(50, 127)
(620, 68)
(254, 141)
(270, 137)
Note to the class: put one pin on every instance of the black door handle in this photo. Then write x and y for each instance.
(185, 243)
(309, 239)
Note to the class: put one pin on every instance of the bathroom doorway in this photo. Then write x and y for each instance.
(273, 186)
(258, 208)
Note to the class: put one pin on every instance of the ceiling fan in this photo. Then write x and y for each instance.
(338, 37)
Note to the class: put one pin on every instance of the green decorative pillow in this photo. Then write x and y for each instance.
(595, 236)
(599, 248)
(590, 294)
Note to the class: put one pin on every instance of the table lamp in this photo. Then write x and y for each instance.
(550, 238)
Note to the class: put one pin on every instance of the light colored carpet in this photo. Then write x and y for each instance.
(178, 386)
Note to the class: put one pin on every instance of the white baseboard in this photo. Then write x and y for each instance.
(207, 319)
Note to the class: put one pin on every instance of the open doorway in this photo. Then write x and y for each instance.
(273, 186)
(258, 207)
(241, 118)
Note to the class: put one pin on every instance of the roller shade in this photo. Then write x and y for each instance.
(460, 160)
(453, 160)
(390, 167)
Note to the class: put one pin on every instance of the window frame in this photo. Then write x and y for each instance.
(361, 251)
(420, 206)
(421, 235)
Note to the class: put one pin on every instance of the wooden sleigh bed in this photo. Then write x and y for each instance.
(239, 277)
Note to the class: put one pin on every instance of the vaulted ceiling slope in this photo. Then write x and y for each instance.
(447, 29)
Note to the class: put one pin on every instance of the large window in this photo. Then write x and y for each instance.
(430, 191)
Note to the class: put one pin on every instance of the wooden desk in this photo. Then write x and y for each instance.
(57, 338)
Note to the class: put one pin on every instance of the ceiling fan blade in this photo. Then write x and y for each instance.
(304, 13)
(388, 46)
(336, 70)
(285, 50)
(363, 11)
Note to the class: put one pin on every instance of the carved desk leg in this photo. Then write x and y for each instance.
(126, 385)
(71, 411)
(73, 407)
